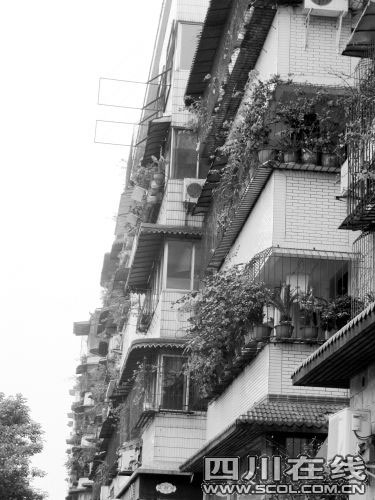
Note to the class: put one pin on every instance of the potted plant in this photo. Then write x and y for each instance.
(310, 146)
(336, 313)
(331, 131)
(283, 299)
(290, 146)
(300, 126)
(311, 308)
(258, 331)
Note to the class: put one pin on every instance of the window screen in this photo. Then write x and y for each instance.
(185, 155)
(179, 265)
(173, 390)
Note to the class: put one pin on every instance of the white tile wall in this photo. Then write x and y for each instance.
(296, 209)
(171, 438)
(269, 373)
(321, 62)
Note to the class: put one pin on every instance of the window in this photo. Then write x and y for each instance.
(185, 156)
(174, 383)
(183, 267)
(188, 37)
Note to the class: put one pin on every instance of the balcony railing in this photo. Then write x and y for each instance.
(361, 151)
(158, 390)
(147, 304)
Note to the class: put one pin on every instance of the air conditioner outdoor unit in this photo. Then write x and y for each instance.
(192, 189)
(327, 8)
(346, 430)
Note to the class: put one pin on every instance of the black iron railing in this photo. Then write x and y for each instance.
(361, 149)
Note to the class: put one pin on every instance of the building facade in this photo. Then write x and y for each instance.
(237, 172)
(346, 359)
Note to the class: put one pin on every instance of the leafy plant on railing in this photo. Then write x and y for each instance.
(337, 312)
(200, 122)
(222, 313)
(118, 304)
(80, 459)
(249, 134)
(102, 474)
(143, 377)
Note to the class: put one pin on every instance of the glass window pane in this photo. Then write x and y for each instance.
(185, 155)
(189, 40)
(179, 265)
(173, 383)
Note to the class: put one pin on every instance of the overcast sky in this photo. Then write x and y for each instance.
(59, 190)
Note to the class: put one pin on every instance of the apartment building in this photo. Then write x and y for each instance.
(152, 417)
(346, 359)
(284, 221)
(228, 168)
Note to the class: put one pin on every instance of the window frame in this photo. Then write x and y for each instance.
(192, 268)
(186, 384)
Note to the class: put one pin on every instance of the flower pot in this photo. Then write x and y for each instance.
(265, 155)
(309, 332)
(159, 178)
(329, 160)
(260, 332)
(310, 157)
(291, 156)
(283, 331)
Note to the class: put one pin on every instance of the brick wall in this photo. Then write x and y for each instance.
(307, 213)
(250, 386)
(256, 235)
(296, 209)
(171, 438)
(284, 359)
(269, 373)
(319, 62)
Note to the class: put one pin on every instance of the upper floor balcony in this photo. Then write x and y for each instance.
(361, 150)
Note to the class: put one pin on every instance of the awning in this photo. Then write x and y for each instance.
(362, 39)
(274, 413)
(213, 28)
(156, 137)
(139, 349)
(147, 247)
(346, 353)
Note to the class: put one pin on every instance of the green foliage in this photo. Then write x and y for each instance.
(283, 299)
(20, 440)
(249, 134)
(337, 312)
(223, 311)
(200, 122)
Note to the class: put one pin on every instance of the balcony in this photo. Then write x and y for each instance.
(361, 151)
(161, 384)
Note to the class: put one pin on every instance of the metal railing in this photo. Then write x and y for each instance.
(361, 149)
